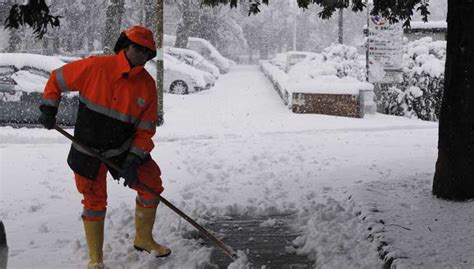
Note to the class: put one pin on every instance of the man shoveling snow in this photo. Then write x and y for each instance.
(117, 118)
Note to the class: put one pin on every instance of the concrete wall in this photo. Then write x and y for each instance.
(329, 104)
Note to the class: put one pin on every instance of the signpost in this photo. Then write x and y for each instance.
(384, 51)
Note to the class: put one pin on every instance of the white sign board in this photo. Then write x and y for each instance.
(385, 50)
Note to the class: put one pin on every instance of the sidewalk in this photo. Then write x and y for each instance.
(413, 229)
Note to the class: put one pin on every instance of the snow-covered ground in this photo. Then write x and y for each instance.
(234, 149)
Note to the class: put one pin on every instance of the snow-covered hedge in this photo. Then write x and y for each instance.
(423, 82)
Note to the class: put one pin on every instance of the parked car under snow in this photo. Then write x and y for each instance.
(181, 78)
(204, 48)
(22, 80)
(194, 59)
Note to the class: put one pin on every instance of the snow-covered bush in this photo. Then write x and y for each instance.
(345, 60)
(423, 82)
(340, 60)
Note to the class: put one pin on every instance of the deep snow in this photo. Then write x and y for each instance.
(234, 149)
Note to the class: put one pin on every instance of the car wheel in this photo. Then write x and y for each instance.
(179, 87)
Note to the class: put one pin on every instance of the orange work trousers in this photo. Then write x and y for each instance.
(95, 191)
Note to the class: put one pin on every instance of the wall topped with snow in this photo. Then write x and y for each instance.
(320, 90)
(329, 85)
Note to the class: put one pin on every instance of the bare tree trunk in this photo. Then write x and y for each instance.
(14, 41)
(151, 14)
(114, 13)
(159, 62)
(454, 176)
(189, 18)
(341, 26)
(182, 31)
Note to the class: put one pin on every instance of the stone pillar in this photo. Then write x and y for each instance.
(366, 102)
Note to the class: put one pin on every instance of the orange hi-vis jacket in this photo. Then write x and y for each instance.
(117, 110)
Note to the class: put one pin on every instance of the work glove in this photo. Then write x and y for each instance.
(48, 116)
(130, 170)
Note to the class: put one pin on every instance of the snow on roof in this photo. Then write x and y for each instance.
(21, 60)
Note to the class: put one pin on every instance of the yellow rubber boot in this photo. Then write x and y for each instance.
(95, 240)
(144, 221)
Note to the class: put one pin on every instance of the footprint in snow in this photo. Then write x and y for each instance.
(35, 208)
(43, 228)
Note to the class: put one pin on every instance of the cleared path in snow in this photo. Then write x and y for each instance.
(266, 240)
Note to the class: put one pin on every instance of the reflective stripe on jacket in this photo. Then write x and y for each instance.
(117, 105)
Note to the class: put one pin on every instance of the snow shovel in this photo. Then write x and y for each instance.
(229, 252)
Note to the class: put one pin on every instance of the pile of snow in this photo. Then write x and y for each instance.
(334, 237)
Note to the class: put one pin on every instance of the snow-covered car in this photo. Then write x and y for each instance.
(205, 48)
(29, 72)
(279, 60)
(68, 59)
(294, 57)
(22, 81)
(286, 60)
(6, 82)
(194, 59)
(179, 77)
